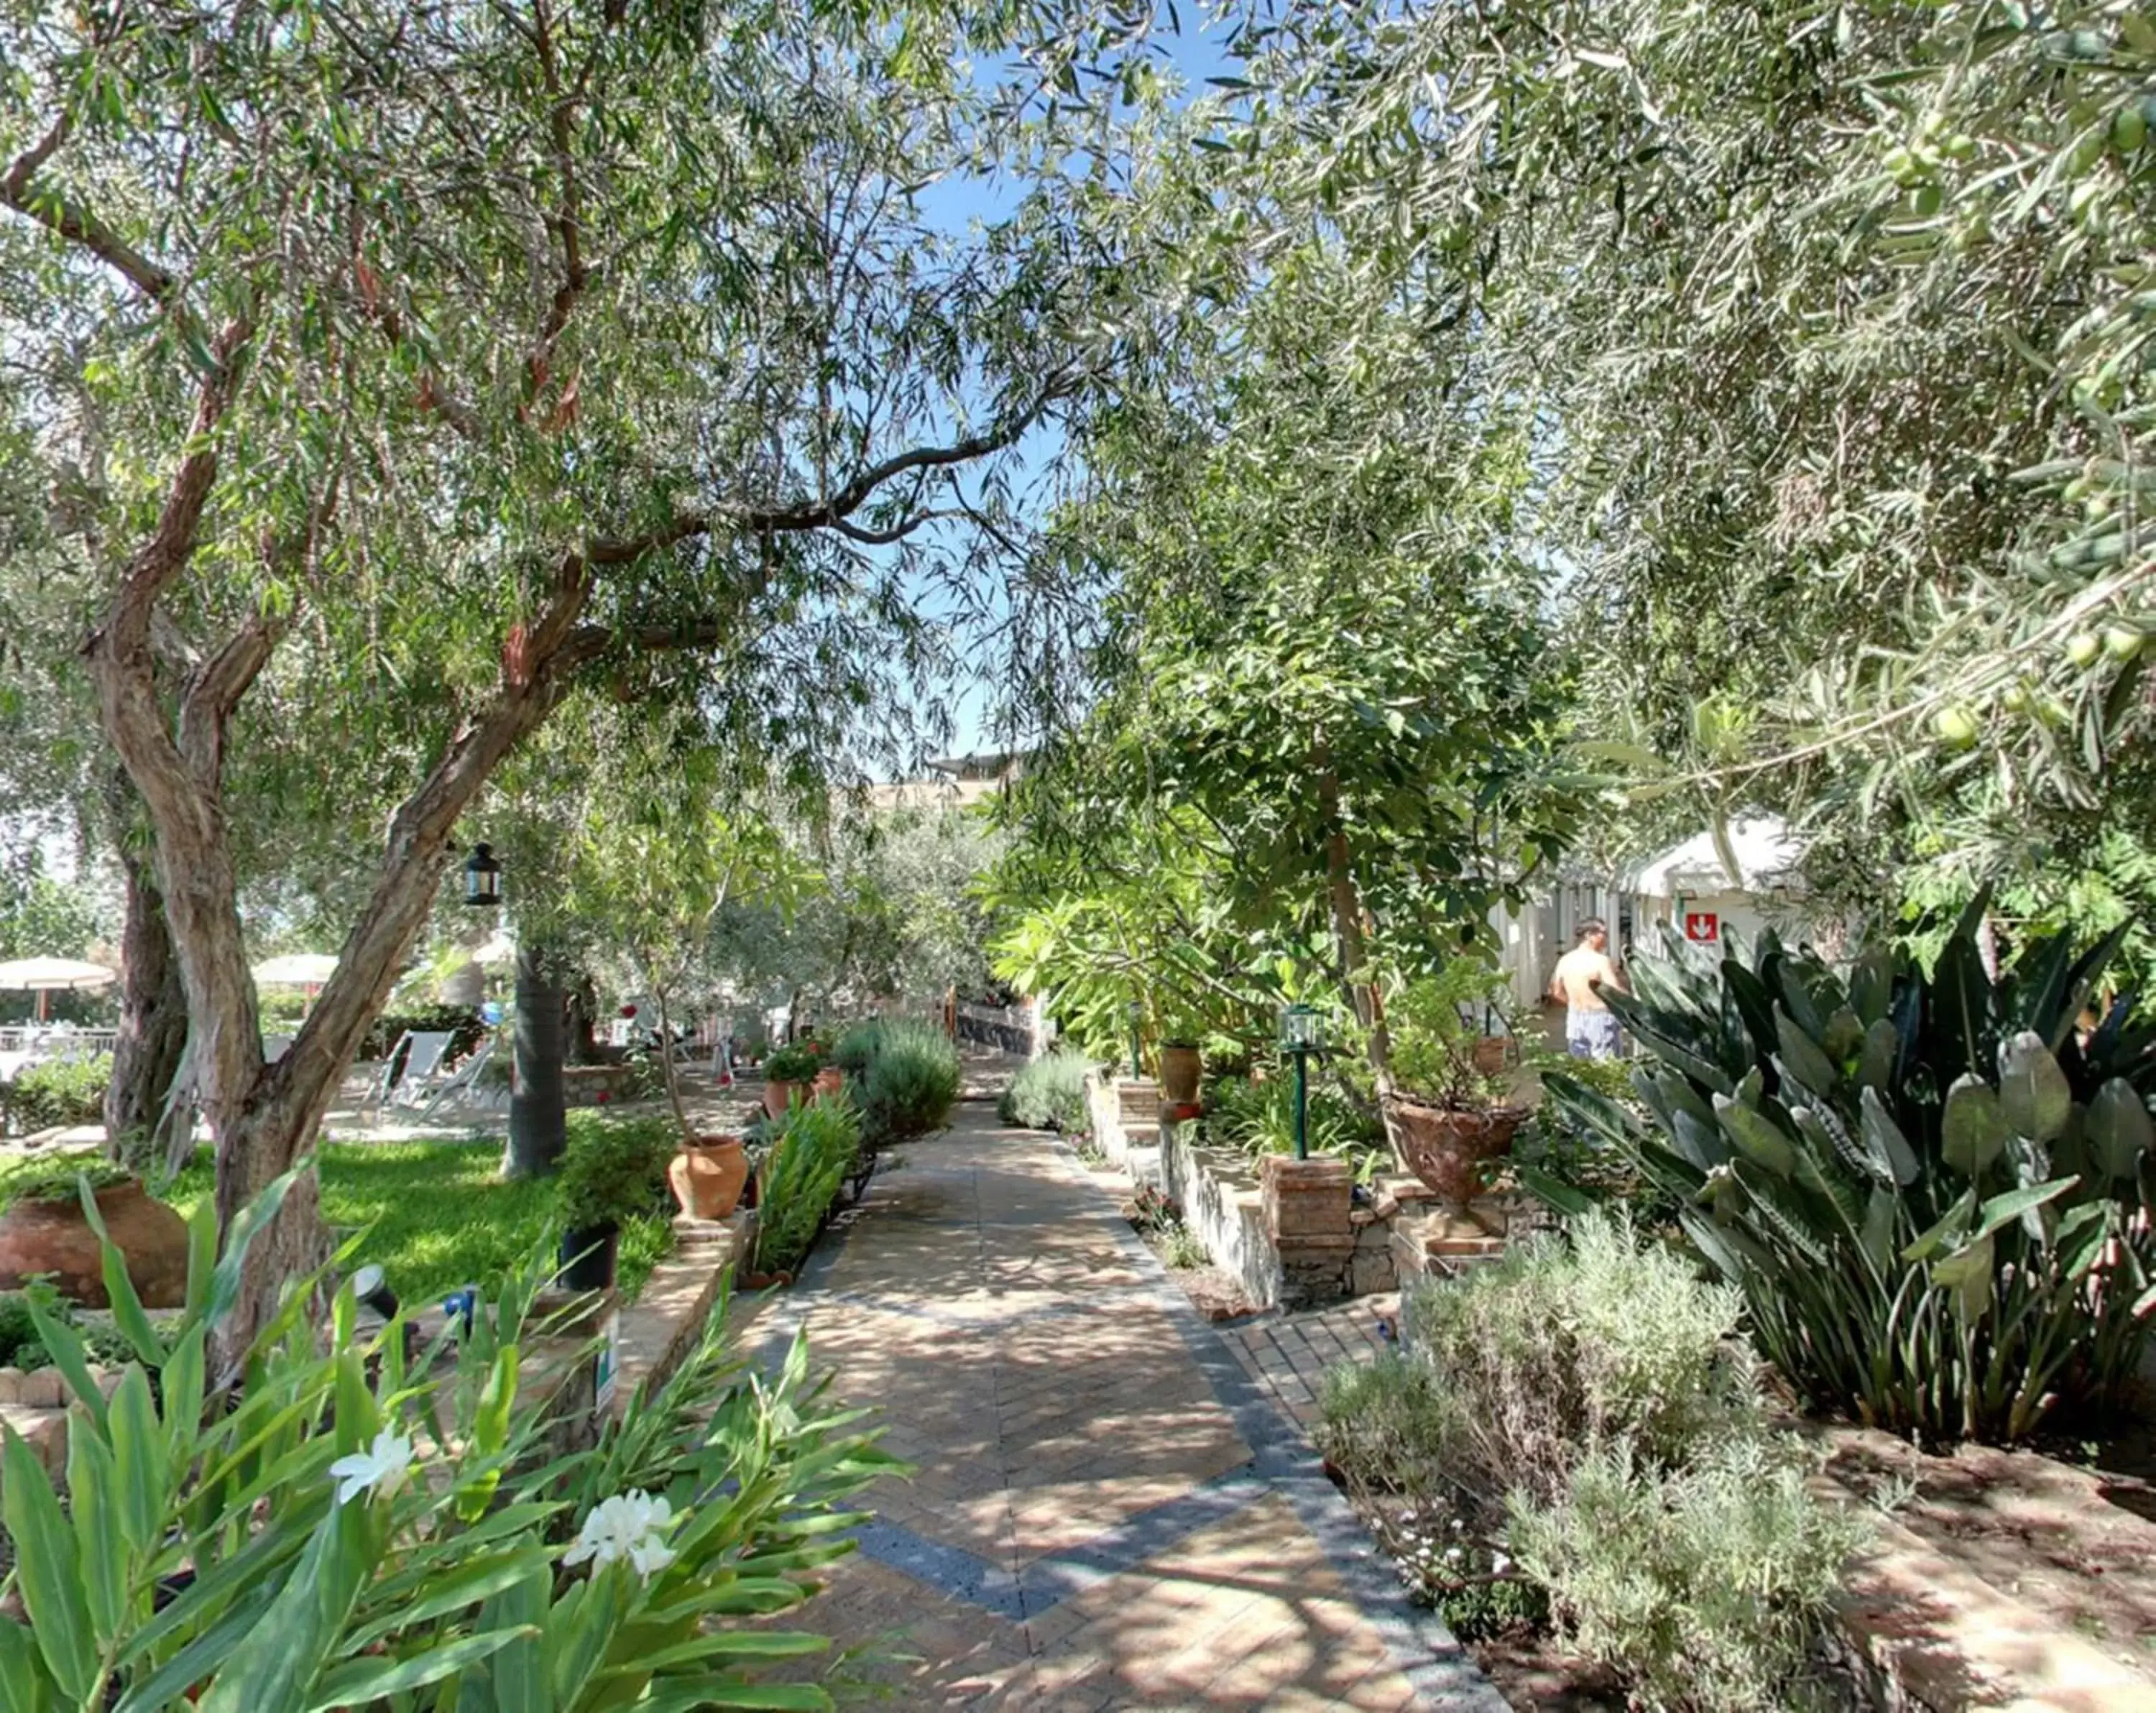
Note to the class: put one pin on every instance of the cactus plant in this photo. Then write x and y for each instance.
(1935, 1190)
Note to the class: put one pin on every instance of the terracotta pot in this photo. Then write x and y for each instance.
(776, 1095)
(707, 1177)
(1444, 1147)
(1179, 1069)
(1491, 1053)
(54, 1238)
(831, 1080)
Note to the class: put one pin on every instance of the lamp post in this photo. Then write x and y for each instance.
(1134, 1010)
(482, 879)
(1300, 1028)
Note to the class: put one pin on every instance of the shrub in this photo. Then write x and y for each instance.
(911, 1082)
(614, 1169)
(796, 1063)
(810, 1158)
(1706, 1586)
(58, 1091)
(1566, 1344)
(854, 1050)
(1048, 1094)
(47, 1179)
(1387, 1426)
(1258, 1118)
(405, 1547)
(1931, 1190)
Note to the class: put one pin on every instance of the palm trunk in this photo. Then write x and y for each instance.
(538, 1109)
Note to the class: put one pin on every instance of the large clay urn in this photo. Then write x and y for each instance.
(707, 1176)
(1444, 1147)
(1180, 1066)
(829, 1081)
(53, 1237)
(777, 1096)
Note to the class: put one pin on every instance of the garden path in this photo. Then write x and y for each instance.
(1108, 1510)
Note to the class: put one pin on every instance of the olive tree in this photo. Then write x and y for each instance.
(406, 370)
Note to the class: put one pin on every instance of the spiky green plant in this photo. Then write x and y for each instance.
(1935, 1191)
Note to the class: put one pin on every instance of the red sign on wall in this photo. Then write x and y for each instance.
(1702, 926)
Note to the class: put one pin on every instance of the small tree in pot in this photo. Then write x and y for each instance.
(1447, 1110)
(614, 1170)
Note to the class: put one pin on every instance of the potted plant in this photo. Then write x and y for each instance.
(611, 1173)
(44, 1230)
(1446, 1112)
(1181, 1061)
(788, 1068)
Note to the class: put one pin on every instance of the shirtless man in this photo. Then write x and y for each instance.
(1590, 1027)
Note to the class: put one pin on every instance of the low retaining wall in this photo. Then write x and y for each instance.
(1223, 1204)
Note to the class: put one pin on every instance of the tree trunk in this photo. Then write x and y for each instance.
(153, 1022)
(582, 1011)
(1346, 901)
(537, 1110)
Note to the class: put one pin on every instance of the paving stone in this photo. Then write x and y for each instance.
(1088, 1527)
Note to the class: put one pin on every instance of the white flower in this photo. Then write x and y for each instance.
(380, 1469)
(1499, 1564)
(631, 1525)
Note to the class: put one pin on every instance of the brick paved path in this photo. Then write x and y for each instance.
(1108, 1512)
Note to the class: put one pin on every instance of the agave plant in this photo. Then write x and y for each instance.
(1934, 1191)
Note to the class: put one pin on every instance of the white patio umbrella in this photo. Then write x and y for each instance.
(53, 975)
(298, 969)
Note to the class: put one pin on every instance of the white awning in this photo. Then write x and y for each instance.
(1768, 855)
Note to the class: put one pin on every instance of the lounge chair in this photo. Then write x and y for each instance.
(412, 1071)
(460, 1080)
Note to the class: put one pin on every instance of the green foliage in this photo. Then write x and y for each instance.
(1934, 1194)
(797, 1062)
(1434, 1022)
(356, 1532)
(49, 1178)
(813, 1151)
(1590, 1405)
(1568, 1344)
(911, 1081)
(1258, 1118)
(855, 1050)
(1049, 1093)
(1706, 1587)
(57, 1091)
(614, 1170)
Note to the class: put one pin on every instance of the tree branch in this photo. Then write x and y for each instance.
(78, 225)
(214, 690)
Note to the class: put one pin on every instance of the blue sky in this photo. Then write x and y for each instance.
(1197, 51)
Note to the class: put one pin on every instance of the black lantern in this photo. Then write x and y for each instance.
(482, 879)
(1301, 1030)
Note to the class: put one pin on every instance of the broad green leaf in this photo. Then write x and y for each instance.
(1756, 1137)
(1883, 1138)
(366, 1681)
(2119, 1128)
(47, 1570)
(1974, 1128)
(2033, 1091)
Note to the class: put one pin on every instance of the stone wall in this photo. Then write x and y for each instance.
(1223, 1204)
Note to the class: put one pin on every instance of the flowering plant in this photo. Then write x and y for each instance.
(350, 1530)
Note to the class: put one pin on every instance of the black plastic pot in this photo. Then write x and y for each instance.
(587, 1257)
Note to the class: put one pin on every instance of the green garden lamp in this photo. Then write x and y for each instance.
(1300, 1031)
(1134, 1010)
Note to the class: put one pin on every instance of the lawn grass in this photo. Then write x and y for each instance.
(440, 1215)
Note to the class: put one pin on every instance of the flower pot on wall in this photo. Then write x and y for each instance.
(1180, 1066)
(587, 1257)
(52, 1236)
(1445, 1146)
(778, 1095)
(707, 1175)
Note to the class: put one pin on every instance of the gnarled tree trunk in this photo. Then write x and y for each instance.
(153, 1022)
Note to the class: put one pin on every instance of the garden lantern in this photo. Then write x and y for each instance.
(1135, 1011)
(482, 879)
(1300, 1031)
